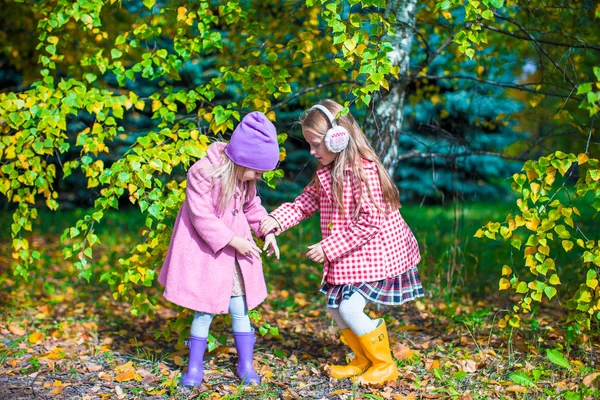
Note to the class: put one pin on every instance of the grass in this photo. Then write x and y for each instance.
(453, 325)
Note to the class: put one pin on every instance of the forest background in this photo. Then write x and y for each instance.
(484, 112)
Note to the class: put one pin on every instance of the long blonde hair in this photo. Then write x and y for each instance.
(230, 175)
(358, 148)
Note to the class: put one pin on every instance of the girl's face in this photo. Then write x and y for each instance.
(318, 149)
(251, 175)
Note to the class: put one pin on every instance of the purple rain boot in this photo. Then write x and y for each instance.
(194, 374)
(244, 344)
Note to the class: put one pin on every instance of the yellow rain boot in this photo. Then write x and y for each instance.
(355, 367)
(376, 346)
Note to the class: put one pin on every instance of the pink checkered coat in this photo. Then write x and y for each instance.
(369, 248)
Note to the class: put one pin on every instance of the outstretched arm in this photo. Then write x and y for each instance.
(290, 214)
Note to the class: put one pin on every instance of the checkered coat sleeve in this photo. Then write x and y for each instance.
(366, 248)
(305, 205)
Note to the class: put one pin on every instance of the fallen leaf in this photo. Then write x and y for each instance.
(16, 329)
(592, 379)
(124, 367)
(400, 397)
(468, 365)
(341, 391)
(516, 389)
(402, 352)
(178, 361)
(57, 353)
(430, 365)
(411, 327)
(36, 337)
(91, 367)
(125, 376)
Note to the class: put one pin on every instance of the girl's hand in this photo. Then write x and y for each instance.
(270, 241)
(244, 246)
(269, 225)
(316, 253)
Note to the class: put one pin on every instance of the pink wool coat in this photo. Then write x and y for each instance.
(198, 270)
(372, 247)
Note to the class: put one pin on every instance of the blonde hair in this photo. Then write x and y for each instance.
(315, 122)
(230, 175)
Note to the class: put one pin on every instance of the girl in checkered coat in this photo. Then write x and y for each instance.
(368, 251)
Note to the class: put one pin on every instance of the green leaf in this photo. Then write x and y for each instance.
(487, 14)
(522, 378)
(115, 53)
(584, 88)
(558, 358)
(522, 288)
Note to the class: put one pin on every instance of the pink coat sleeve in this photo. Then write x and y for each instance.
(255, 212)
(305, 205)
(209, 227)
(360, 230)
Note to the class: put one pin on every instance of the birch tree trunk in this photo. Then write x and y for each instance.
(384, 121)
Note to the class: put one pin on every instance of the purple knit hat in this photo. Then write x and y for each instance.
(253, 143)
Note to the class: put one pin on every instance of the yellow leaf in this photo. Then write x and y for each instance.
(128, 366)
(582, 158)
(504, 284)
(516, 389)
(532, 224)
(125, 376)
(567, 245)
(341, 391)
(506, 270)
(531, 174)
(554, 280)
(431, 365)
(36, 337)
(411, 396)
(57, 353)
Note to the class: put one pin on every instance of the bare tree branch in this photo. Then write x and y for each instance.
(509, 85)
(432, 56)
(538, 45)
(418, 154)
(560, 44)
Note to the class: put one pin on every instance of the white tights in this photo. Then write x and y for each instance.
(350, 314)
(240, 322)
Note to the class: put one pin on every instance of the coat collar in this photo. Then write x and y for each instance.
(324, 175)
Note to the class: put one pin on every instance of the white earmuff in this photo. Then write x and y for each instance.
(336, 138)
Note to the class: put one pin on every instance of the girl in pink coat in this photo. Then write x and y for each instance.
(213, 265)
(368, 251)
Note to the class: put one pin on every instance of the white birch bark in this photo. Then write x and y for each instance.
(384, 121)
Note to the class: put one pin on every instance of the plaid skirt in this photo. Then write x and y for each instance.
(390, 291)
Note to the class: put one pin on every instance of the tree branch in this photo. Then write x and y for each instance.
(560, 44)
(432, 56)
(309, 89)
(418, 154)
(538, 45)
(502, 84)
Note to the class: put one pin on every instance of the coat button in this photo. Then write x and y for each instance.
(235, 211)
